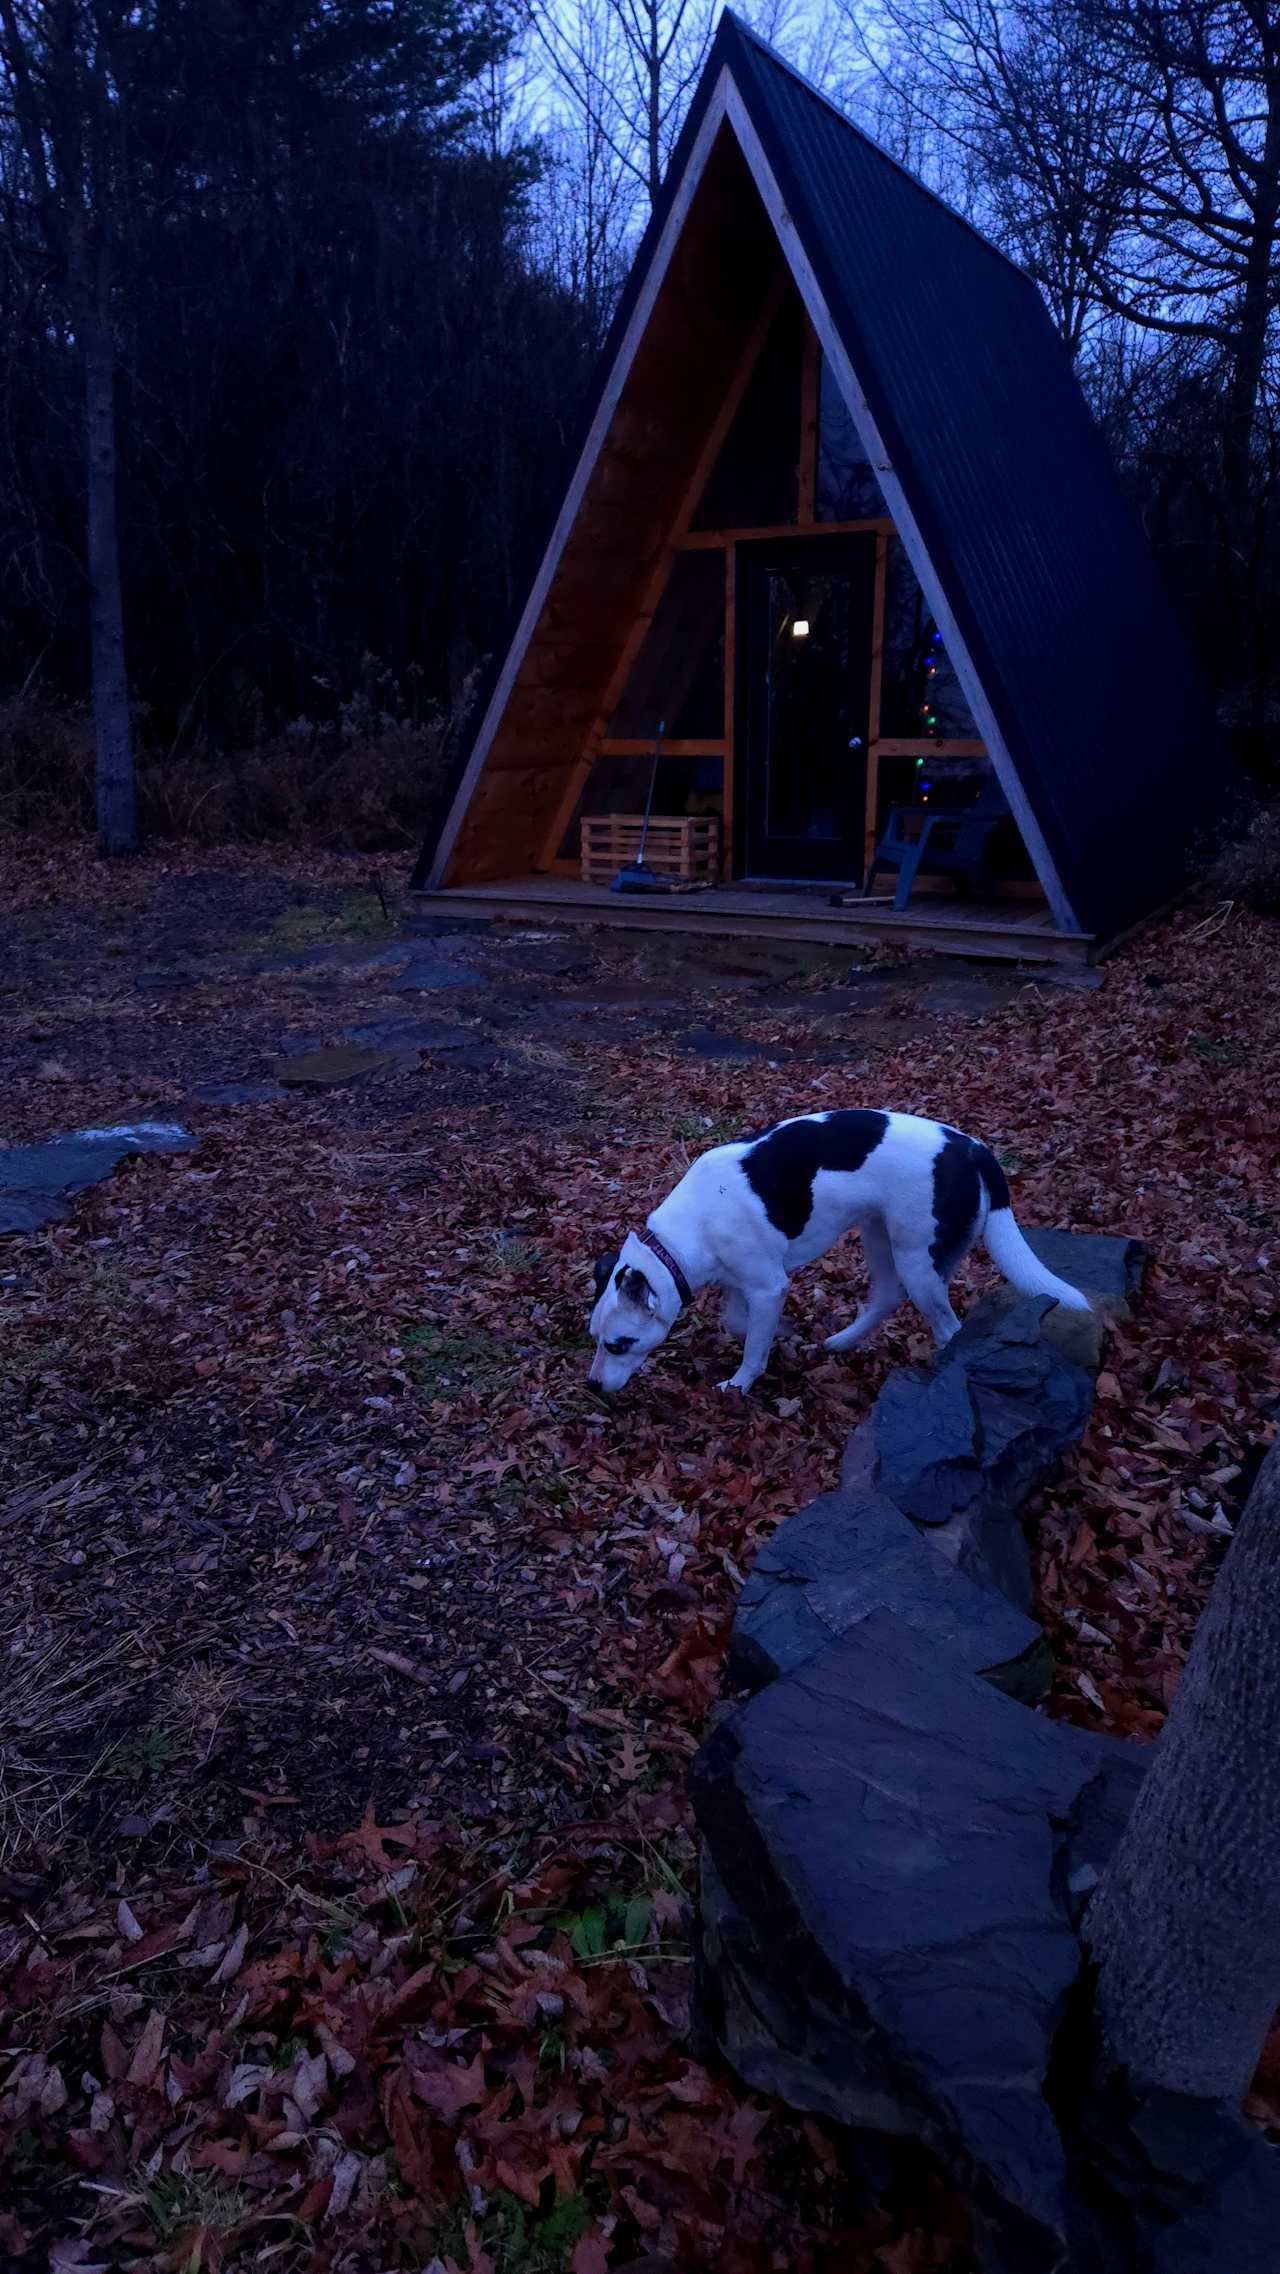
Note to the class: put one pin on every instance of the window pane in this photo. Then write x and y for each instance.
(920, 695)
(847, 489)
(810, 775)
(754, 482)
(678, 675)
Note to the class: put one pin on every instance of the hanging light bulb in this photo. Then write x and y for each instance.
(800, 628)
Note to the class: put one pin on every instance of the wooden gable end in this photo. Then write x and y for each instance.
(723, 276)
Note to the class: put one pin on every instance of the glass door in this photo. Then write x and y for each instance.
(804, 649)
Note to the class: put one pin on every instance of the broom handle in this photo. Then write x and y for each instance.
(653, 778)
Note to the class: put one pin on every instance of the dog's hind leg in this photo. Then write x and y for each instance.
(884, 1294)
(928, 1289)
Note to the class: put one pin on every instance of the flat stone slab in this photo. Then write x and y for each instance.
(36, 1181)
(331, 1066)
(411, 1035)
(887, 1937)
(620, 996)
(704, 1042)
(426, 975)
(160, 982)
(290, 959)
(969, 998)
(238, 1093)
(850, 1553)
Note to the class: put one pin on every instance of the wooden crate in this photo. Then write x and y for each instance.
(681, 845)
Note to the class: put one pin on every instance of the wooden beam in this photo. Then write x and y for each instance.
(708, 539)
(778, 914)
(871, 819)
(657, 584)
(730, 702)
(612, 748)
(807, 485)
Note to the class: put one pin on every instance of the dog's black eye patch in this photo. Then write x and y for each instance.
(624, 1343)
(603, 1269)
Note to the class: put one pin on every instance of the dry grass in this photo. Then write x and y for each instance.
(49, 1703)
(50, 1707)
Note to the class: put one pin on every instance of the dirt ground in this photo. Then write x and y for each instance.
(260, 1515)
(308, 1513)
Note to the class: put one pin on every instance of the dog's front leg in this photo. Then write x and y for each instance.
(764, 1309)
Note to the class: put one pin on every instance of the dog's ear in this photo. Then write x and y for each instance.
(636, 1289)
(604, 1266)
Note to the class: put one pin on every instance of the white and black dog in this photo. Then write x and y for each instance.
(745, 1216)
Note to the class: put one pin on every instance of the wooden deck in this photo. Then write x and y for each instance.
(1010, 931)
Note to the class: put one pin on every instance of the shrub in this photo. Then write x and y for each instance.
(46, 766)
(367, 776)
(1248, 869)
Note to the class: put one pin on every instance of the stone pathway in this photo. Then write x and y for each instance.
(232, 995)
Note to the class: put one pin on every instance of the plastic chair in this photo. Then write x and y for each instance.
(940, 843)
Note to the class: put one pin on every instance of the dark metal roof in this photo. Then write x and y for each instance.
(1090, 678)
(1101, 706)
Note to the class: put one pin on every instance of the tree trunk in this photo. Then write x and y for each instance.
(1185, 1928)
(115, 797)
(1252, 332)
(653, 120)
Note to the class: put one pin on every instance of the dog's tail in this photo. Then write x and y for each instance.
(1009, 1251)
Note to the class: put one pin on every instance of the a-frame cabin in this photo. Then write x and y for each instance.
(842, 522)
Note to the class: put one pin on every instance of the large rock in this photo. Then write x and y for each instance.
(1169, 2184)
(850, 1553)
(958, 1446)
(887, 1926)
(37, 1181)
(896, 1856)
(1106, 1268)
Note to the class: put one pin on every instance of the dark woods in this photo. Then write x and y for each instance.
(295, 320)
(297, 237)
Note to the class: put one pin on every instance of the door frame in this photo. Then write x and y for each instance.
(811, 548)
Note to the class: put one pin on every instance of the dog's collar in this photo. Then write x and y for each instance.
(651, 1241)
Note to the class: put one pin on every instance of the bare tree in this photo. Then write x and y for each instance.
(586, 202)
(1002, 104)
(58, 59)
(626, 70)
(1194, 255)
(1128, 152)
(619, 76)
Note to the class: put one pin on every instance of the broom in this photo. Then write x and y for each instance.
(636, 876)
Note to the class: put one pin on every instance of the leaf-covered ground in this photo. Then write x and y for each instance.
(355, 1652)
